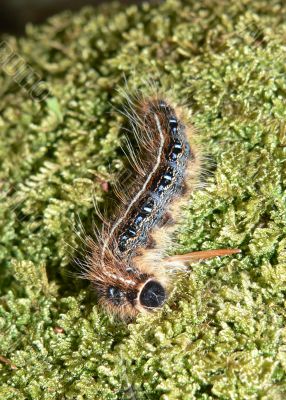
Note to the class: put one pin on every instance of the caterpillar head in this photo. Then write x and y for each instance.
(122, 288)
(128, 301)
(129, 290)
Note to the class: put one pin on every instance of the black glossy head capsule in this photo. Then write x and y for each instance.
(153, 295)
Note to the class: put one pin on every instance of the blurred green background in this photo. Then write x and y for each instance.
(15, 14)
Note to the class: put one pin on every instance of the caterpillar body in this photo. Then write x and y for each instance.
(127, 264)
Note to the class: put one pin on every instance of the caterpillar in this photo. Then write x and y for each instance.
(127, 264)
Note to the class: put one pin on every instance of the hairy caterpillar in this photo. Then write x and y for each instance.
(127, 264)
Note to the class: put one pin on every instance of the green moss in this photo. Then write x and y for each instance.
(222, 334)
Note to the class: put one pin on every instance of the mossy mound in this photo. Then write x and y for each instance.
(222, 334)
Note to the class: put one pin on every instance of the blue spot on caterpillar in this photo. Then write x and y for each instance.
(128, 266)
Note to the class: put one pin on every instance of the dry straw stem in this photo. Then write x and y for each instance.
(222, 334)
